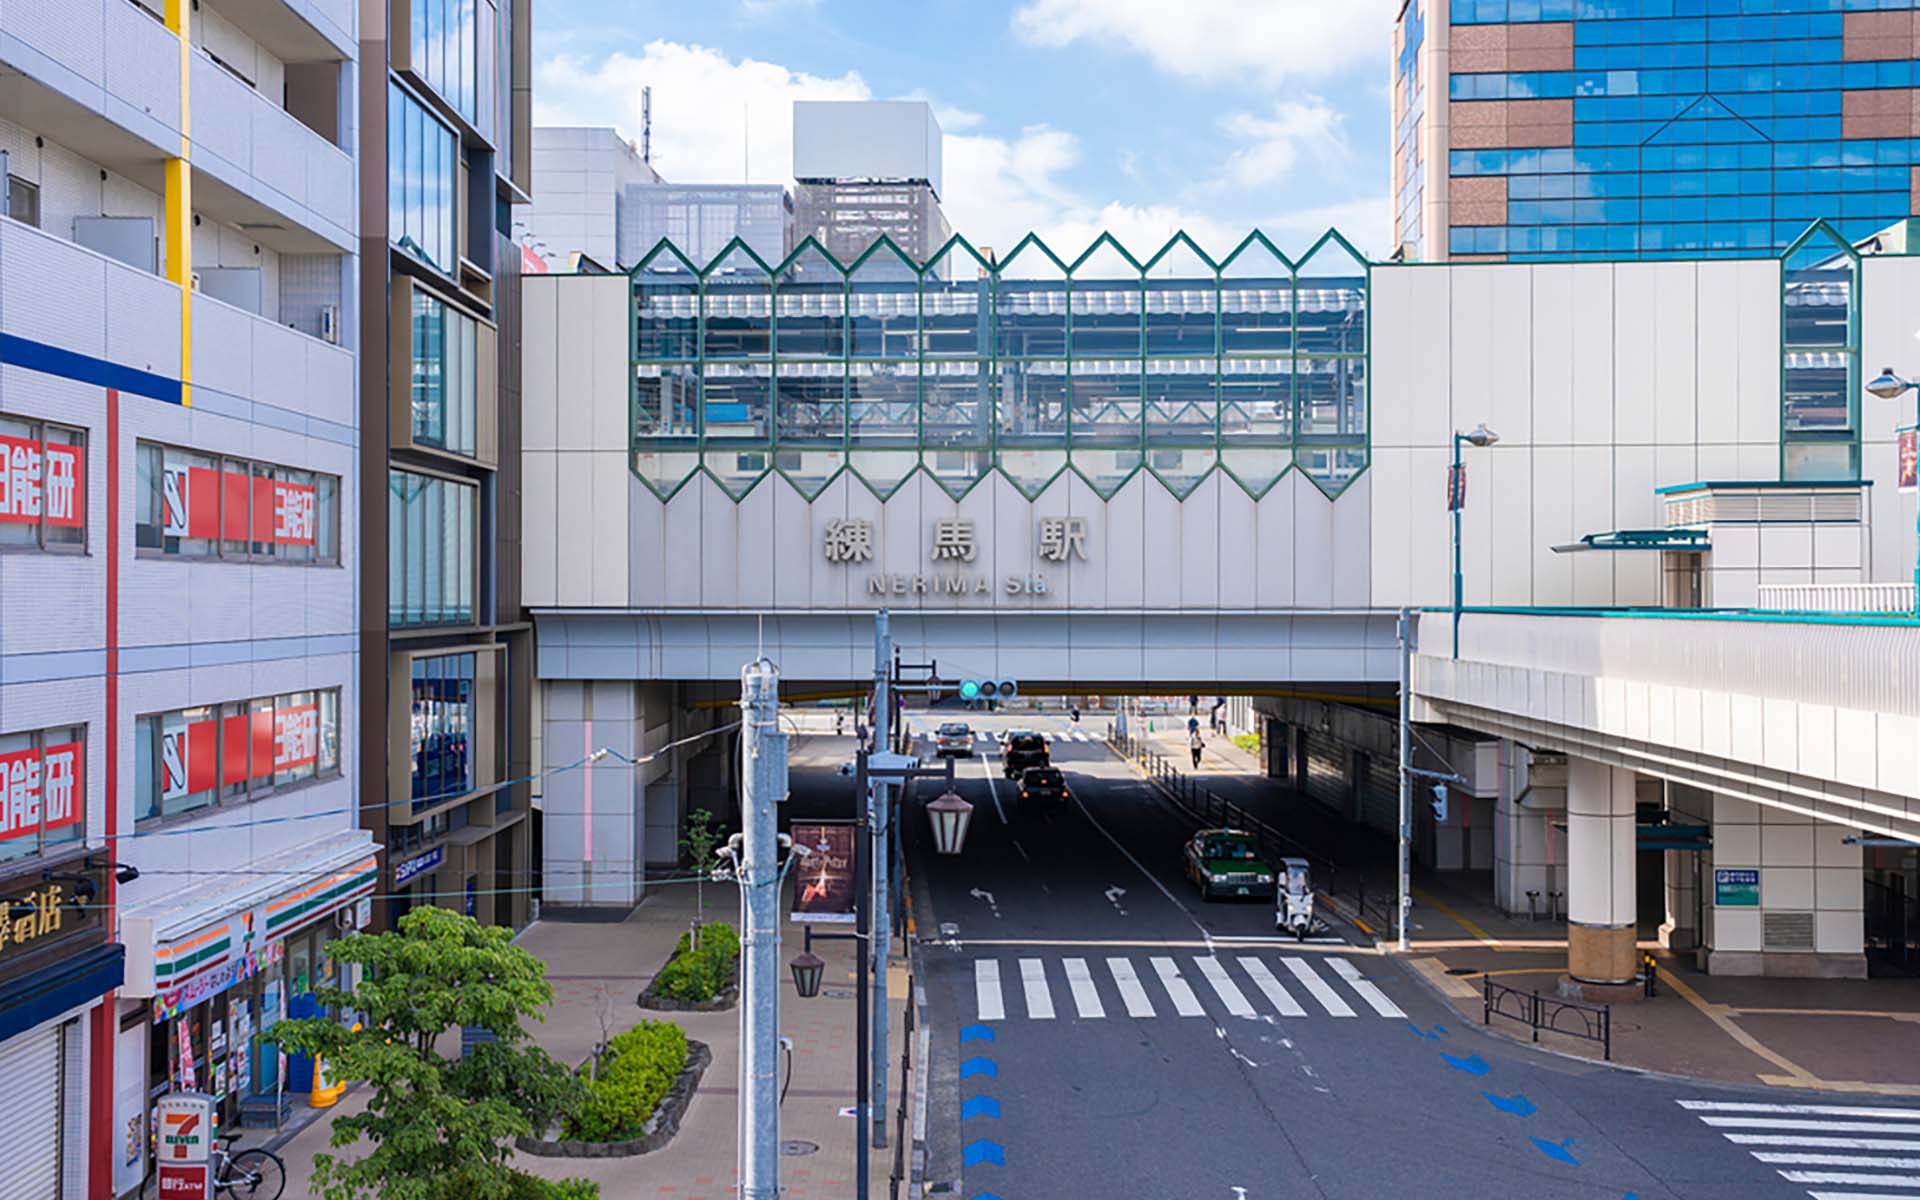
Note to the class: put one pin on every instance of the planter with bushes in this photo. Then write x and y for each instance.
(638, 1094)
(703, 978)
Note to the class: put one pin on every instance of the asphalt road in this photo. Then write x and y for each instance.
(1097, 1031)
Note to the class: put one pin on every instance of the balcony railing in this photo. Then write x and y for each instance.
(272, 156)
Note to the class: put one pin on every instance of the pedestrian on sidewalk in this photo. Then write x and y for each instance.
(1194, 743)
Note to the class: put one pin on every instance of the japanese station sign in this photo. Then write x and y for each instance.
(1736, 887)
(952, 549)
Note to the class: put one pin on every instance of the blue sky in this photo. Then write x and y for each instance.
(1067, 117)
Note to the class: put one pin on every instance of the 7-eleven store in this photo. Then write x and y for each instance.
(215, 967)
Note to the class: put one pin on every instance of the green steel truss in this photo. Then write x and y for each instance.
(1033, 365)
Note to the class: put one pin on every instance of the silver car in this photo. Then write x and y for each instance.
(953, 738)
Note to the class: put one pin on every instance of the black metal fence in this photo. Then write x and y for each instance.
(1588, 1022)
(1374, 905)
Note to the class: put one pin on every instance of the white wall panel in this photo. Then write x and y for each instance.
(794, 552)
(576, 537)
(1128, 540)
(540, 528)
(1391, 543)
(1553, 525)
(1200, 536)
(576, 348)
(610, 514)
(1509, 503)
(680, 559)
(1507, 407)
(1593, 353)
(1160, 548)
(539, 366)
(1313, 543)
(1238, 561)
(1395, 390)
(1476, 347)
(1551, 325)
(1636, 338)
(1275, 568)
(1636, 577)
(647, 558)
(1759, 307)
(720, 544)
(1087, 579)
(1430, 527)
(1352, 544)
(609, 401)
(1717, 361)
(1675, 332)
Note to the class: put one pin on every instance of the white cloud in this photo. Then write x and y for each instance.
(952, 118)
(1272, 144)
(1215, 40)
(714, 118)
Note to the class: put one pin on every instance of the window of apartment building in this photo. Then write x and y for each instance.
(23, 200)
(205, 506)
(445, 362)
(233, 753)
(445, 40)
(43, 786)
(431, 529)
(442, 727)
(422, 171)
(43, 485)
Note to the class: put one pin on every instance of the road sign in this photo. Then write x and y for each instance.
(1736, 887)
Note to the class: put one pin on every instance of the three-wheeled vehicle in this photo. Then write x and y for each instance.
(1293, 901)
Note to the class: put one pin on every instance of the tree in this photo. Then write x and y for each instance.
(702, 836)
(440, 1128)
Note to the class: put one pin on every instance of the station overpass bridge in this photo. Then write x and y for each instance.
(1180, 471)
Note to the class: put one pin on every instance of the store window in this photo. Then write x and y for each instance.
(422, 168)
(194, 505)
(233, 753)
(445, 363)
(442, 727)
(43, 486)
(43, 797)
(431, 535)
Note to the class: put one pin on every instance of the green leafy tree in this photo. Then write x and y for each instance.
(439, 1128)
(702, 837)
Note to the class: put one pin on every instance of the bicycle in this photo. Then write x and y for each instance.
(250, 1174)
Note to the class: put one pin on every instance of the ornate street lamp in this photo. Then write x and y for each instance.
(807, 968)
(950, 816)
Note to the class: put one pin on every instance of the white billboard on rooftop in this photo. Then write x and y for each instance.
(866, 139)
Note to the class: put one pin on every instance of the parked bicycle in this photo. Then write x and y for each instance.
(250, 1174)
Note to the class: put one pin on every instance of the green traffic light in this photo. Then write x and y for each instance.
(970, 690)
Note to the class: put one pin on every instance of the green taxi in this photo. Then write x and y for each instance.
(1227, 863)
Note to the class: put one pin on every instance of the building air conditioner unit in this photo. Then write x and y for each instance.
(330, 323)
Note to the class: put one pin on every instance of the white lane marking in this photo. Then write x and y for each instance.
(1839, 1160)
(1369, 991)
(1085, 998)
(1821, 1143)
(1184, 1001)
(1808, 1126)
(986, 989)
(1033, 980)
(1318, 988)
(1821, 1110)
(1223, 986)
(1847, 1179)
(1131, 993)
(1860, 1195)
(1276, 995)
(993, 786)
(1151, 878)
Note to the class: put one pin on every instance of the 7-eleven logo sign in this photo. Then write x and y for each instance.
(179, 1133)
(185, 1122)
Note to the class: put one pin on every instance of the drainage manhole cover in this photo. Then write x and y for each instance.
(839, 994)
(796, 1148)
(1463, 970)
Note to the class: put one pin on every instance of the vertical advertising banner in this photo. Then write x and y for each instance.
(823, 880)
(1456, 487)
(1909, 460)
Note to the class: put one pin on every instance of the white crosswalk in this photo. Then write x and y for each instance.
(1188, 986)
(1824, 1147)
(997, 736)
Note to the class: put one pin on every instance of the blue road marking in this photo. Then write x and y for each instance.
(979, 1066)
(986, 1196)
(1439, 1031)
(983, 1151)
(1473, 1064)
(1518, 1104)
(1558, 1151)
(980, 1106)
(975, 1033)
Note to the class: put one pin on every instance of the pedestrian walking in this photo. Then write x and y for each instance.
(1193, 726)
(1194, 743)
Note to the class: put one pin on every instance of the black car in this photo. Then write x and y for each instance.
(1024, 750)
(1044, 785)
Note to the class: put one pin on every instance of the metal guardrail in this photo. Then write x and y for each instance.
(1209, 807)
(1588, 1022)
(899, 1173)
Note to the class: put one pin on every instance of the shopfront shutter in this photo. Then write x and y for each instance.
(29, 1113)
(73, 1110)
(1327, 780)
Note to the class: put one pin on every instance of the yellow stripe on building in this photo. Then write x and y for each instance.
(179, 187)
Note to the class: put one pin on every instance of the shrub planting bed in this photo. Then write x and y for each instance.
(698, 979)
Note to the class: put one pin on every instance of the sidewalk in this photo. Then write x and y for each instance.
(698, 1164)
(1820, 1034)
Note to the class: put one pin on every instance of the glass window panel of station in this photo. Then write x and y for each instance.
(735, 406)
(1105, 301)
(883, 304)
(1256, 420)
(1331, 467)
(810, 404)
(883, 422)
(666, 307)
(1182, 412)
(956, 304)
(1031, 403)
(1182, 301)
(956, 423)
(1106, 420)
(1030, 304)
(1330, 300)
(810, 305)
(736, 300)
(1820, 364)
(666, 407)
(1330, 396)
(1256, 300)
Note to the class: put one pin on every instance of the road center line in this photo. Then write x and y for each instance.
(993, 786)
(1150, 877)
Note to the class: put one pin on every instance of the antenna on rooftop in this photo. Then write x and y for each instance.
(646, 124)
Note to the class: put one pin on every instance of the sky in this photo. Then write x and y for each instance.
(1062, 117)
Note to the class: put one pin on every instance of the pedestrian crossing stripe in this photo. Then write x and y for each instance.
(996, 736)
(1186, 986)
(1823, 1146)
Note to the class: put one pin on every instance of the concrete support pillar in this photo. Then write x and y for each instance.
(1529, 854)
(1601, 909)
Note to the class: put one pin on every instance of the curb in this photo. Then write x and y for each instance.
(661, 1126)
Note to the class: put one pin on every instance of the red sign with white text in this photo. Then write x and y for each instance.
(286, 737)
(283, 512)
(183, 1181)
(32, 788)
(1909, 461)
(36, 475)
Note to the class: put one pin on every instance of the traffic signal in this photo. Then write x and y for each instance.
(1440, 803)
(988, 689)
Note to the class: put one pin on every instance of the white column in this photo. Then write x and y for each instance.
(1601, 906)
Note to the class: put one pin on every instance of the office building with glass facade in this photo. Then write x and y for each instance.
(1607, 129)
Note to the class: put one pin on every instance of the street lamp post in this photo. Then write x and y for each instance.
(1888, 386)
(1457, 501)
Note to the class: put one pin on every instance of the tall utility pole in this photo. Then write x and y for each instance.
(1406, 770)
(764, 774)
(879, 801)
